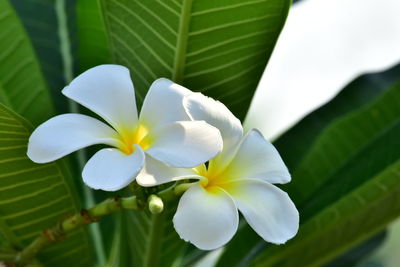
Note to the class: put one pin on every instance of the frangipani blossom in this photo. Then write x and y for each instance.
(239, 178)
(163, 132)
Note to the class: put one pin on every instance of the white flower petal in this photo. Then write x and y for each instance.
(267, 209)
(163, 103)
(108, 91)
(203, 108)
(65, 134)
(156, 172)
(206, 219)
(185, 143)
(110, 169)
(257, 158)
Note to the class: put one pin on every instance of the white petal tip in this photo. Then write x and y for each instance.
(37, 157)
(111, 170)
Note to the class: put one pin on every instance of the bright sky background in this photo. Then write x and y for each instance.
(325, 44)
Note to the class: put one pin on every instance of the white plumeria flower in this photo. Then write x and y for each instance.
(164, 132)
(239, 178)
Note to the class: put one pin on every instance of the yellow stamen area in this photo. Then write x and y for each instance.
(140, 136)
(212, 178)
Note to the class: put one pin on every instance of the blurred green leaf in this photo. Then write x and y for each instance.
(149, 240)
(217, 47)
(34, 197)
(354, 96)
(326, 140)
(355, 168)
(51, 28)
(340, 142)
(94, 47)
(355, 255)
(22, 86)
(349, 221)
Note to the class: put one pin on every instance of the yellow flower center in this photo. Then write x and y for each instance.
(140, 136)
(212, 177)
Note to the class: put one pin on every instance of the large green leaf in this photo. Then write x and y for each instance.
(298, 141)
(355, 95)
(34, 197)
(143, 240)
(358, 175)
(217, 47)
(160, 238)
(51, 28)
(349, 221)
(340, 141)
(22, 86)
(356, 255)
(94, 47)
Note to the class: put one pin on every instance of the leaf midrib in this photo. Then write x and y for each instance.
(182, 40)
(353, 156)
(339, 122)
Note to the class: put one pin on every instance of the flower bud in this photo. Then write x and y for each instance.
(156, 204)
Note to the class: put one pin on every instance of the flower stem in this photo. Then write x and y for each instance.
(94, 214)
(58, 231)
(152, 256)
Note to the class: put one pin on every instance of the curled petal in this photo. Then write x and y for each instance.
(207, 219)
(185, 143)
(108, 91)
(257, 158)
(267, 209)
(110, 169)
(156, 172)
(65, 134)
(163, 103)
(200, 107)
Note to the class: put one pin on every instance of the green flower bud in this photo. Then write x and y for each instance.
(156, 204)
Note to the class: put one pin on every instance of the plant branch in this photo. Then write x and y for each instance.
(59, 231)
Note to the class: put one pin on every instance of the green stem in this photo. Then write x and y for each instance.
(94, 214)
(152, 256)
(59, 231)
(67, 61)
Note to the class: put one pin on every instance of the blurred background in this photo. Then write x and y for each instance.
(325, 45)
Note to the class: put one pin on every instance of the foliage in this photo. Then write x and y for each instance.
(33, 197)
(22, 86)
(219, 48)
(345, 146)
(344, 157)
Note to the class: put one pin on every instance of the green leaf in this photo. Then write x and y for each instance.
(94, 47)
(354, 168)
(340, 141)
(149, 240)
(355, 95)
(216, 47)
(298, 141)
(349, 221)
(22, 86)
(50, 25)
(34, 197)
(356, 255)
